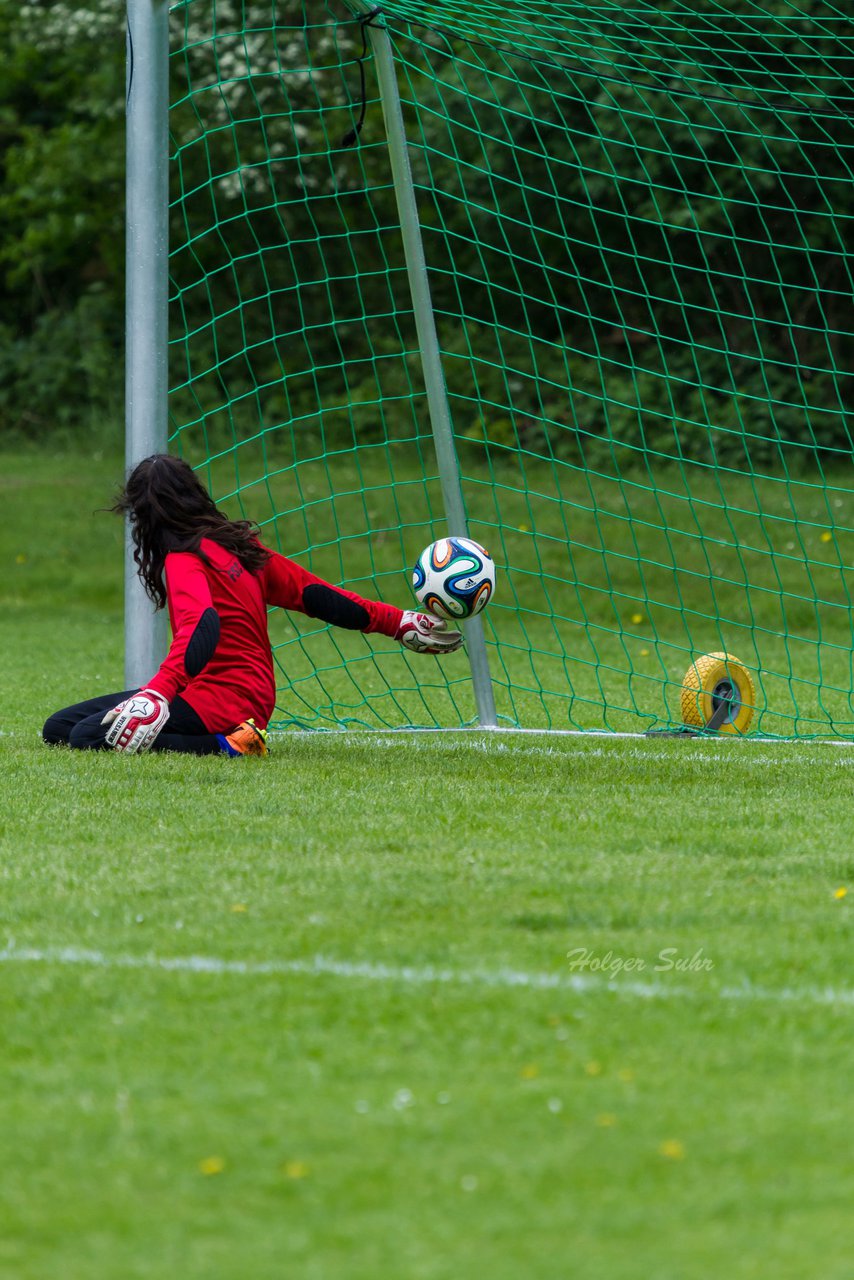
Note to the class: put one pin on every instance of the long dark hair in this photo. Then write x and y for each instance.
(171, 510)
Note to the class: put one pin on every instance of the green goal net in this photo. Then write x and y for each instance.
(636, 221)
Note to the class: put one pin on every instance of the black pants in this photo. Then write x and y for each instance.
(80, 726)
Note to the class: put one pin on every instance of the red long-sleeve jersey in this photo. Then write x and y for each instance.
(220, 659)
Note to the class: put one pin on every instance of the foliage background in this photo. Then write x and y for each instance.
(61, 214)
(734, 294)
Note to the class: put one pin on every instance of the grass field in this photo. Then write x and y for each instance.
(395, 1007)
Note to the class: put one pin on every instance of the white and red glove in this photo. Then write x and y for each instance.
(136, 722)
(422, 633)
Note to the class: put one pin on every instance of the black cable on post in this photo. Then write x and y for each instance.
(352, 135)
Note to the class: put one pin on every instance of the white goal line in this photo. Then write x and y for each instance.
(424, 975)
(363, 734)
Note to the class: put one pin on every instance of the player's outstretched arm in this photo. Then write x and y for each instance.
(289, 586)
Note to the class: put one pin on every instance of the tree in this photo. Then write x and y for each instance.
(61, 211)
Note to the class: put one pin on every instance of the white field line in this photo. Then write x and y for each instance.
(496, 732)
(390, 739)
(424, 975)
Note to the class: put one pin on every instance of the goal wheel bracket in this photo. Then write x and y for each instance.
(717, 697)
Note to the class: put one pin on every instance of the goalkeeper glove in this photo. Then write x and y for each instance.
(136, 722)
(422, 633)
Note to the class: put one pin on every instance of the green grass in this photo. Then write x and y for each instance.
(384, 1122)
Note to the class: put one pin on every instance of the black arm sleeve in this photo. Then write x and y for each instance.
(203, 643)
(324, 602)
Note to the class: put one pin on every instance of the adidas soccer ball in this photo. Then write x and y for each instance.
(454, 578)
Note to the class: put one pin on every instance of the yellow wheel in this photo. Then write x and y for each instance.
(707, 682)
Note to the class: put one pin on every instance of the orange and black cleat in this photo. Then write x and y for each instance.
(246, 740)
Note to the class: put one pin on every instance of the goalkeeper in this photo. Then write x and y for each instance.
(215, 690)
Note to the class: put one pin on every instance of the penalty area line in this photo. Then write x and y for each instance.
(320, 966)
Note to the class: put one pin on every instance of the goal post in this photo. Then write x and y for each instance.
(602, 320)
(428, 340)
(146, 295)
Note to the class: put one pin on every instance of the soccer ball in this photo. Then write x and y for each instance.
(454, 578)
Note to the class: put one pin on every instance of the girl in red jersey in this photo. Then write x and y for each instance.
(215, 690)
